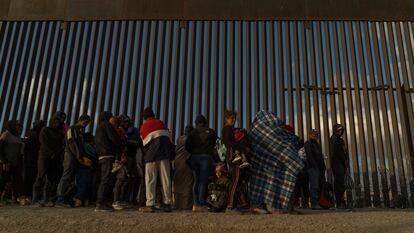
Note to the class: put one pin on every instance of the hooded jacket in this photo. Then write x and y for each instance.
(32, 144)
(338, 152)
(156, 142)
(107, 141)
(202, 140)
(314, 156)
(51, 140)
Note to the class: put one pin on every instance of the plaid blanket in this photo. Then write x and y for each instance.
(275, 161)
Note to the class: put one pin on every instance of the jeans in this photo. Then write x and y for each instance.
(84, 177)
(201, 165)
(152, 170)
(69, 170)
(314, 185)
(107, 181)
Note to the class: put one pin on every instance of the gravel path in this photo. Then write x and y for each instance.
(31, 219)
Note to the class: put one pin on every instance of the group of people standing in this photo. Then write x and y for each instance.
(123, 166)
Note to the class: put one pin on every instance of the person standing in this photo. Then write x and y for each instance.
(183, 175)
(158, 152)
(130, 172)
(108, 145)
(31, 155)
(200, 144)
(339, 163)
(50, 158)
(11, 154)
(73, 153)
(315, 166)
(236, 193)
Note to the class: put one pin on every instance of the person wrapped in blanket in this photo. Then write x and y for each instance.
(237, 147)
(85, 172)
(218, 190)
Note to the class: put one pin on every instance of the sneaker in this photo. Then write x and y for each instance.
(77, 203)
(126, 205)
(167, 208)
(103, 208)
(316, 207)
(200, 208)
(148, 209)
(49, 204)
(244, 165)
(259, 211)
(117, 206)
(232, 211)
(62, 204)
(237, 159)
(37, 204)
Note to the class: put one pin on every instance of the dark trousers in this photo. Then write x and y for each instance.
(339, 188)
(314, 175)
(107, 181)
(47, 177)
(29, 178)
(84, 178)
(13, 181)
(69, 171)
(201, 165)
(236, 193)
(339, 170)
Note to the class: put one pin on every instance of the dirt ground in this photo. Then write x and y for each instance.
(32, 219)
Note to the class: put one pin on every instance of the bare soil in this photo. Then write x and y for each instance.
(32, 219)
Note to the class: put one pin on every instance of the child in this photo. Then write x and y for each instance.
(84, 174)
(236, 143)
(218, 190)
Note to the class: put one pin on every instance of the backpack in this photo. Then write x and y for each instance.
(221, 149)
(349, 182)
(326, 197)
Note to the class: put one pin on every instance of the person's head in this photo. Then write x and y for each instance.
(114, 121)
(230, 117)
(148, 113)
(55, 122)
(125, 121)
(105, 116)
(84, 121)
(201, 120)
(38, 125)
(188, 129)
(61, 116)
(220, 170)
(314, 134)
(13, 127)
(339, 130)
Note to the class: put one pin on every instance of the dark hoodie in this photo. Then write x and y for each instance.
(338, 152)
(51, 140)
(107, 140)
(11, 146)
(32, 144)
(202, 140)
